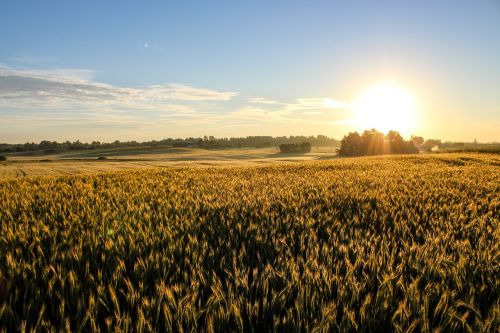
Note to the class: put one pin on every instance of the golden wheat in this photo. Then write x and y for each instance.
(369, 244)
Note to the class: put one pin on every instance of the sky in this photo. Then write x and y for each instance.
(130, 70)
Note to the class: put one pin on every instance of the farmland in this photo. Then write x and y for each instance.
(402, 244)
(87, 162)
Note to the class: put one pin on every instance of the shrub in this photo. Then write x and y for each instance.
(3, 158)
(304, 147)
(100, 158)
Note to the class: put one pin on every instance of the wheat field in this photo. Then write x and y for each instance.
(86, 162)
(380, 244)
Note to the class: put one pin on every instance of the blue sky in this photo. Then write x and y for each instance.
(147, 70)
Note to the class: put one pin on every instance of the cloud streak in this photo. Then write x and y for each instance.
(69, 86)
(60, 101)
(303, 103)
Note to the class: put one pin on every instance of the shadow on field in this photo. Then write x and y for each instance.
(328, 157)
(127, 152)
(214, 157)
(280, 155)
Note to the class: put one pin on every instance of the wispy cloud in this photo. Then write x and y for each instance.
(72, 101)
(152, 46)
(67, 75)
(260, 110)
(70, 86)
(262, 100)
(317, 104)
(303, 103)
(182, 92)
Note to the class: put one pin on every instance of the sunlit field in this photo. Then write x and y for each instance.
(87, 162)
(406, 244)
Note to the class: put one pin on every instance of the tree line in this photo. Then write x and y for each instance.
(369, 142)
(208, 142)
(373, 142)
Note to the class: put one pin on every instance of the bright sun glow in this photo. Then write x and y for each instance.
(386, 107)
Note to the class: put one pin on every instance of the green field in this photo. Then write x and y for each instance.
(380, 244)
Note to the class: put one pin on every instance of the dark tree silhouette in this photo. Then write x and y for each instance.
(373, 142)
(350, 145)
(206, 142)
(304, 147)
(397, 144)
(417, 140)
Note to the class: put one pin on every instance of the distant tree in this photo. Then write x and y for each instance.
(263, 144)
(397, 144)
(431, 143)
(205, 142)
(3, 158)
(289, 148)
(410, 148)
(417, 140)
(351, 145)
(47, 145)
(373, 142)
(29, 146)
(303, 147)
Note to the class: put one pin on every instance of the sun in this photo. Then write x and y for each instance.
(386, 107)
